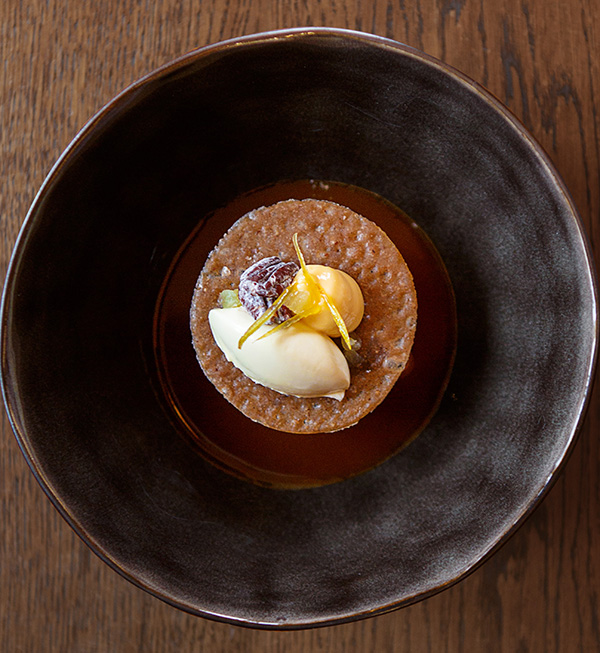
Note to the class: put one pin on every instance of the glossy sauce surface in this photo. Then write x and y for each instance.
(249, 450)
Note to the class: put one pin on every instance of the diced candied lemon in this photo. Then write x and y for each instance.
(229, 299)
(301, 299)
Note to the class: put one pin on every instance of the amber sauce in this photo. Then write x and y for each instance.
(231, 441)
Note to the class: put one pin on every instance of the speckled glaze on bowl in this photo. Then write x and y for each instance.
(78, 377)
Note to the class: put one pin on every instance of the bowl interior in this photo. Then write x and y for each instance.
(78, 359)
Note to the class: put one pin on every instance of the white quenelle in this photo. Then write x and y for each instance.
(296, 361)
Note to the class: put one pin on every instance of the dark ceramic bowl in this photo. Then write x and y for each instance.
(77, 327)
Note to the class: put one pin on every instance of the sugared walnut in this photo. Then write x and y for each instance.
(262, 283)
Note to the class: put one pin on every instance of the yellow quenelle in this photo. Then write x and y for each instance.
(343, 292)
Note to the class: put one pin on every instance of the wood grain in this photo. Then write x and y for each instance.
(61, 61)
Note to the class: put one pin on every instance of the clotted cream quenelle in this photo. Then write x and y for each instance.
(296, 360)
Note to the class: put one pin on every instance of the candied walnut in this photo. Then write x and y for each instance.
(262, 283)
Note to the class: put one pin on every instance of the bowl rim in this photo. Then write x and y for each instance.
(10, 394)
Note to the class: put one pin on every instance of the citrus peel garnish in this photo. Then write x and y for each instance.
(265, 317)
(314, 283)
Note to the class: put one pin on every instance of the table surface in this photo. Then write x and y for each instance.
(61, 62)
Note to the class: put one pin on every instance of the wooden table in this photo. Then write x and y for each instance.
(61, 61)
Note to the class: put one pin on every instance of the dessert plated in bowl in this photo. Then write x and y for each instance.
(388, 367)
(169, 482)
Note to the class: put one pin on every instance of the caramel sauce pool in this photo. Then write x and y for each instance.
(234, 443)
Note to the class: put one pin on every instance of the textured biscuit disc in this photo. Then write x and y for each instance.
(332, 235)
